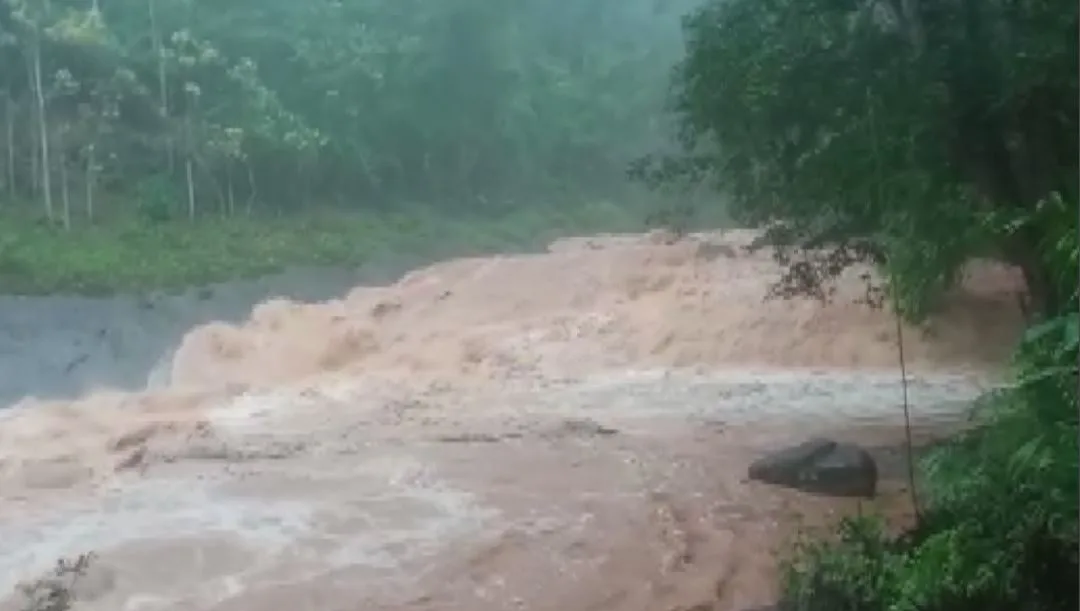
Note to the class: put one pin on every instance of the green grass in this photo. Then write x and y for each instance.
(137, 256)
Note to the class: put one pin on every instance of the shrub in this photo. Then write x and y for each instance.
(999, 530)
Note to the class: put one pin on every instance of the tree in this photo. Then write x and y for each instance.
(361, 103)
(906, 133)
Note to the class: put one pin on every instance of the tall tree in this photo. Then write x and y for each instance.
(911, 134)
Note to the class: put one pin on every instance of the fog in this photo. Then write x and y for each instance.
(462, 104)
(164, 111)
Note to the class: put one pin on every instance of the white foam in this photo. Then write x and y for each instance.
(145, 509)
(874, 397)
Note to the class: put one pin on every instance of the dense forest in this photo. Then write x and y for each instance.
(209, 139)
(200, 107)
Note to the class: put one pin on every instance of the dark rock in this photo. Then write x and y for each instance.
(820, 466)
(780, 467)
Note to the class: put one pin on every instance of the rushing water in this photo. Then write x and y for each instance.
(559, 431)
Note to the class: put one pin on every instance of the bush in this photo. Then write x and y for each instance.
(999, 530)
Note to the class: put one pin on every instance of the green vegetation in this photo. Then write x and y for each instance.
(915, 135)
(135, 256)
(999, 529)
(161, 142)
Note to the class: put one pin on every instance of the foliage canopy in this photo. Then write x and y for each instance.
(909, 133)
(241, 104)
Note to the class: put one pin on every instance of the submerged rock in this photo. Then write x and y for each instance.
(820, 466)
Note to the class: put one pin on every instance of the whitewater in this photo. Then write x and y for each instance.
(560, 430)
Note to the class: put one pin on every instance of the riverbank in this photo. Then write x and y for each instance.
(132, 255)
(998, 528)
(104, 305)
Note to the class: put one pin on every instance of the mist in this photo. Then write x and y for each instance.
(196, 107)
(191, 142)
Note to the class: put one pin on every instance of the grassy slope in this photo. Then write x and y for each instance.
(132, 256)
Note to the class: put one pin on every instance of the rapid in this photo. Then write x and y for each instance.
(566, 430)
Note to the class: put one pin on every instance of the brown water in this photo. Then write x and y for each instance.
(567, 430)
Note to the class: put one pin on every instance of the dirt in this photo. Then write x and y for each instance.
(568, 430)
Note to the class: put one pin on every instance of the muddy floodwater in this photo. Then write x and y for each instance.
(560, 431)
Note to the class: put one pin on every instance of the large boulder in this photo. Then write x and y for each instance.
(820, 466)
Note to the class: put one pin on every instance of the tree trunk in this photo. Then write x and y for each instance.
(10, 142)
(32, 137)
(90, 177)
(302, 183)
(252, 189)
(65, 192)
(163, 88)
(35, 161)
(43, 131)
(231, 210)
(188, 168)
(208, 172)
